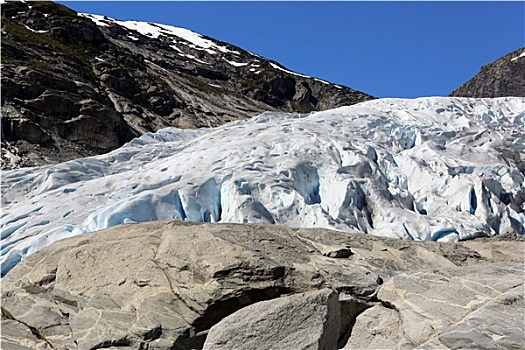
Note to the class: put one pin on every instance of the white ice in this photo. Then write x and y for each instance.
(424, 169)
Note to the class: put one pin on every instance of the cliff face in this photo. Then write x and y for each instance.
(77, 85)
(501, 78)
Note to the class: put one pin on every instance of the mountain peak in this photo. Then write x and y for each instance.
(78, 84)
(503, 77)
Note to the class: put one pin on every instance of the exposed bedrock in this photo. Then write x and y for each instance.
(164, 284)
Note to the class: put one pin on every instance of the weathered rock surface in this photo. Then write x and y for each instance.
(501, 78)
(303, 321)
(475, 307)
(164, 284)
(72, 88)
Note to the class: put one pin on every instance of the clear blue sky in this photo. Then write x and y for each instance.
(387, 49)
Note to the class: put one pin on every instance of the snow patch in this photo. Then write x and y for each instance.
(236, 64)
(520, 56)
(174, 47)
(194, 58)
(101, 21)
(36, 31)
(10, 153)
(155, 65)
(322, 81)
(299, 75)
(156, 30)
(288, 71)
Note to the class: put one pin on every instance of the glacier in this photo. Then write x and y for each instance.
(434, 168)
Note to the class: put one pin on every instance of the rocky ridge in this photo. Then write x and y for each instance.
(78, 85)
(503, 77)
(181, 285)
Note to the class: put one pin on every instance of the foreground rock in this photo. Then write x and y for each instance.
(450, 308)
(163, 285)
(303, 321)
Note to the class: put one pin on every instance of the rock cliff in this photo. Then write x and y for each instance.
(78, 85)
(501, 78)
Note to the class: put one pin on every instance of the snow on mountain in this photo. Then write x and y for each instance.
(118, 79)
(425, 169)
(156, 30)
(298, 74)
(518, 57)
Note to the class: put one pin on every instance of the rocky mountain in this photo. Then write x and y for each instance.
(387, 224)
(503, 77)
(180, 285)
(78, 85)
(434, 169)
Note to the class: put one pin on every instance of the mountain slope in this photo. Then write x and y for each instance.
(442, 169)
(77, 85)
(503, 77)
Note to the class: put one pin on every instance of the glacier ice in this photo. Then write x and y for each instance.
(425, 169)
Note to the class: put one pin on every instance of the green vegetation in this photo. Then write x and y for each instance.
(201, 85)
(12, 8)
(7, 59)
(39, 64)
(301, 107)
(19, 35)
(58, 11)
(255, 81)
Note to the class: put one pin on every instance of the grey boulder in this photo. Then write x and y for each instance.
(451, 308)
(303, 321)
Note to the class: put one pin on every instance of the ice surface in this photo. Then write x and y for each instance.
(423, 169)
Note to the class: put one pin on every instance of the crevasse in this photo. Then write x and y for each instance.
(426, 169)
